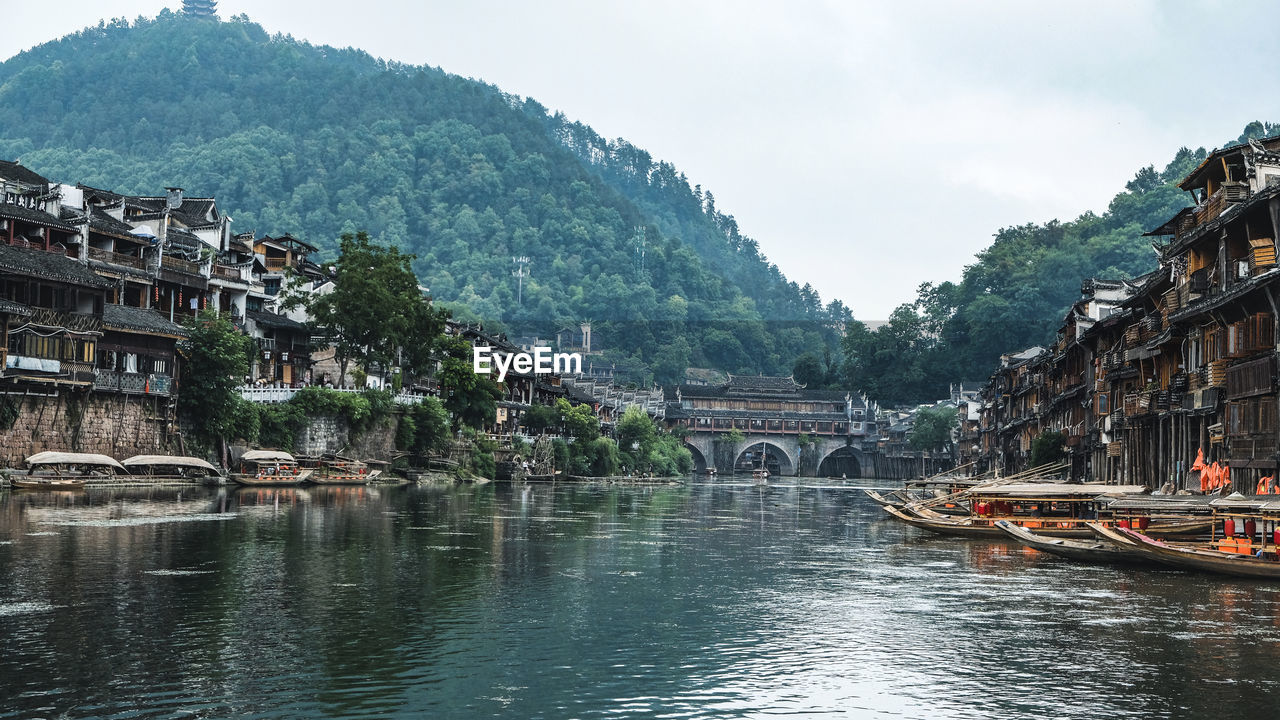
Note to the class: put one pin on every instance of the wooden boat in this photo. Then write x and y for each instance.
(1095, 550)
(892, 499)
(338, 470)
(172, 469)
(65, 471)
(1048, 509)
(269, 467)
(760, 476)
(1263, 565)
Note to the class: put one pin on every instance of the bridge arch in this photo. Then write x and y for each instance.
(841, 460)
(788, 463)
(699, 458)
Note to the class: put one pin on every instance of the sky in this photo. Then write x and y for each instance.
(867, 146)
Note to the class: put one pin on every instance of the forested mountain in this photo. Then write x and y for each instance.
(1017, 291)
(318, 141)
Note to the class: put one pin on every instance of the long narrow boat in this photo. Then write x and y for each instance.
(172, 469)
(1095, 550)
(1200, 558)
(1048, 509)
(64, 471)
(269, 467)
(892, 499)
(338, 470)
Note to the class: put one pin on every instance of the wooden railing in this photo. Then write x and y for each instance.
(228, 273)
(180, 265)
(116, 258)
(280, 394)
(133, 383)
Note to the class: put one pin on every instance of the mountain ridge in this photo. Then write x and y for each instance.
(319, 141)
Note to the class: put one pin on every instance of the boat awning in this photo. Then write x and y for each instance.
(66, 458)
(1055, 491)
(169, 460)
(1236, 501)
(267, 456)
(1161, 503)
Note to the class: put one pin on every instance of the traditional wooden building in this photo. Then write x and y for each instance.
(1147, 375)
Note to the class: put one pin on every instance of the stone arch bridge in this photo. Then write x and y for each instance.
(825, 455)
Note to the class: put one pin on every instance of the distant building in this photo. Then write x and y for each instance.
(774, 414)
(200, 8)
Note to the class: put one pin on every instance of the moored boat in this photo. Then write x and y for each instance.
(891, 499)
(1264, 564)
(172, 469)
(1088, 550)
(269, 467)
(65, 471)
(338, 470)
(1049, 509)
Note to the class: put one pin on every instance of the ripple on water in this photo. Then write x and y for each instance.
(25, 608)
(140, 520)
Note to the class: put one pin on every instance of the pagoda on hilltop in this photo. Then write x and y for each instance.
(200, 8)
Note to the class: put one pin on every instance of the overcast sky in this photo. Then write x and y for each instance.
(867, 146)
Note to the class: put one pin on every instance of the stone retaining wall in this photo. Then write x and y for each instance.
(75, 421)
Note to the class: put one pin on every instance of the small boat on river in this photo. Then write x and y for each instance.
(270, 467)
(65, 471)
(1095, 550)
(1048, 509)
(338, 470)
(1247, 546)
(1198, 557)
(172, 469)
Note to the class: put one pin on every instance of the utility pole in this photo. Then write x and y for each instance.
(522, 269)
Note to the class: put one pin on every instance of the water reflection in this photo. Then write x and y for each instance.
(538, 601)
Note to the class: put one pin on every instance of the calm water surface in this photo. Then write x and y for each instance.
(711, 601)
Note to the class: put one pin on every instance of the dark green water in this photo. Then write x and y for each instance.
(575, 602)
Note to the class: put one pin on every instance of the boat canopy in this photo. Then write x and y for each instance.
(49, 457)
(1055, 491)
(1178, 503)
(267, 456)
(1236, 501)
(169, 460)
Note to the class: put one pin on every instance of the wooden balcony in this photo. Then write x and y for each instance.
(116, 258)
(133, 383)
(180, 265)
(225, 272)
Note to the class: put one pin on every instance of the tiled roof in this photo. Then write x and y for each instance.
(12, 308)
(49, 265)
(12, 170)
(191, 212)
(272, 320)
(110, 198)
(31, 215)
(722, 391)
(761, 383)
(102, 222)
(132, 319)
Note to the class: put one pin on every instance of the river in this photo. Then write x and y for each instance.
(694, 601)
